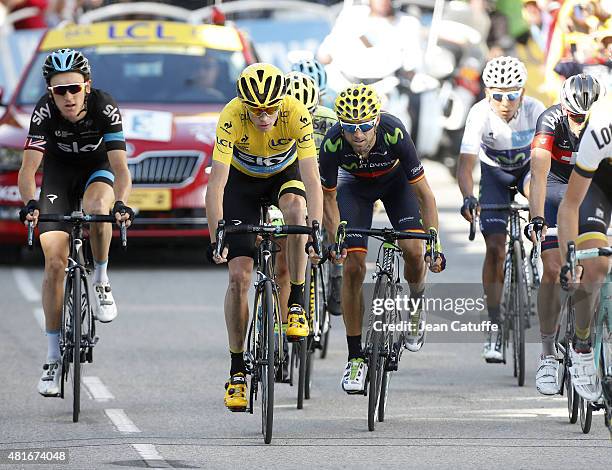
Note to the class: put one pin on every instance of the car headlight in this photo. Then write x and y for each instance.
(10, 159)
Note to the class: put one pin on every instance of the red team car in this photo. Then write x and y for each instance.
(170, 80)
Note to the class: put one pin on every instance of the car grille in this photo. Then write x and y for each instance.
(164, 169)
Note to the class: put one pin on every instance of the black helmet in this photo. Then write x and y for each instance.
(66, 60)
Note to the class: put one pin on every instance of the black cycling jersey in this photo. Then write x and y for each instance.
(553, 134)
(81, 143)
(393, 147)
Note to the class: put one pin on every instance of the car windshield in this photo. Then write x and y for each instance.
(152, 75)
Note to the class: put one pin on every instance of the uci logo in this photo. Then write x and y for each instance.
(279, 143)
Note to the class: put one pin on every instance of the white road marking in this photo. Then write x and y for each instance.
(524, 412)
(151, 456)
(121, 421)
(39, 314)
(25, 285)
(98, 391)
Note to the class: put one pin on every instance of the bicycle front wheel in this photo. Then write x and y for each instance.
(76, 343)
(267, 362)
(521, 308)
(374, 346)
(586, 415)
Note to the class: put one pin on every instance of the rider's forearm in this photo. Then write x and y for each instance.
(465, 177)
(122, 185)
(331, 214)
(214, 196)
(427, 203)
(567, 223)
(27, 185)
(26, 180)
(312, 184)
(540, 166)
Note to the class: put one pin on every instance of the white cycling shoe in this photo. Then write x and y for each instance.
(584, 376)
(353, 380)
(416, 338)
(49, 383)
(492, 349)
(547, 376)
(106, 310)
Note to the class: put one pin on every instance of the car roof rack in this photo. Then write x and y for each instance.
(240, 6)
(147, 9)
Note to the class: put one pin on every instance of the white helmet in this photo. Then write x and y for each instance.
(579, 92)
(504, 72)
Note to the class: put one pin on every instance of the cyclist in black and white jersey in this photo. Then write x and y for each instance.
(76, 132)
(584, 216)
(553, 152)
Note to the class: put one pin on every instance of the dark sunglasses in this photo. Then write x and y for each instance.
(268, 110)
(511, 95)
(363, 126)
(579, 118)
(72, 88)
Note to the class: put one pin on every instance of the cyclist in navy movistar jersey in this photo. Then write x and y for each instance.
(76, 132)
(498, 131)
(368, 156)
(553, 153)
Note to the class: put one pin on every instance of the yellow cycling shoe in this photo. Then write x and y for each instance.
(297, 325)
(235, 392)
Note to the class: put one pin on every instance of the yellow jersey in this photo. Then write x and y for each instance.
(263, 154)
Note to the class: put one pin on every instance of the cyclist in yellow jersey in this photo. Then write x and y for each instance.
(584, 216)
(264, 150)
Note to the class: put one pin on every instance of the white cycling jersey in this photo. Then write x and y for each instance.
(499, 143)
(596, 143)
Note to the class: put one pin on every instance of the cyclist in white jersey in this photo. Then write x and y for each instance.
(584, 216)
(498, 131)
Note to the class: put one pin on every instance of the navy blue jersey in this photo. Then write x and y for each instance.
(393, 147)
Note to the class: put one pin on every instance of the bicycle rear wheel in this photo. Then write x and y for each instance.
(374, 346)
(302, 357)
(267, 362)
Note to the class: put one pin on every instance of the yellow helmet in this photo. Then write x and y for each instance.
(304, 89)
(357, 103)
(261, 85)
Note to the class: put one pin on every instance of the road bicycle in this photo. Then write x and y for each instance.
(602, 344)
(265, 352)
(77, 330)
(303, 353)
(519, 288)
(384, 344)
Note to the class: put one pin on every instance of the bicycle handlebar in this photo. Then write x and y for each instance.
(473, 224)
(78, 217)
(388, 234)
(223, 229)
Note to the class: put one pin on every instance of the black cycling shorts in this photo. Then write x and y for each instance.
(555, 190)
(356, 197)
(243, 197)
(495, 184)
(594, 218)
(63, 186)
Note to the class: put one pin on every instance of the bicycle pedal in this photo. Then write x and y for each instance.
(495, 361)
(238, 409)
(296, 339)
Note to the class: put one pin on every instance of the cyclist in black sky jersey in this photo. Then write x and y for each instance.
(76, 132)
